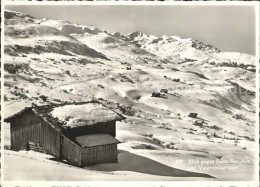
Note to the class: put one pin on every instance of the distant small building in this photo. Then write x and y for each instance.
(198, 123)
(81, 133)
(193, 115)
(176, 80)
(164, 90)
(158, 94)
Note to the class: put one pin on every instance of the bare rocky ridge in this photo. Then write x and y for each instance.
(38, 38)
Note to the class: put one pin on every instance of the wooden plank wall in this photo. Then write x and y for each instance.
(108, 128)
(99, 154)
(30, 127)
(71, 151)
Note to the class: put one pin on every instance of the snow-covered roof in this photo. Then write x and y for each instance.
(85, 114)
(72, 115)
(96, 140)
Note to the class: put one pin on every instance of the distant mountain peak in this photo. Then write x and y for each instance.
(117, 34)
(204, 46)
(135, 34)
(9, 14)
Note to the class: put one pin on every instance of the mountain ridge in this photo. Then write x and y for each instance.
(165, 46)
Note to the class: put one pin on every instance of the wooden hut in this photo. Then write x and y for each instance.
(81, 133)
(193, 115)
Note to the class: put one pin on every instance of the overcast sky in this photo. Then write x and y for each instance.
(229, 28)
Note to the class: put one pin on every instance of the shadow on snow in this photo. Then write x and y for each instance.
(131, 162)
